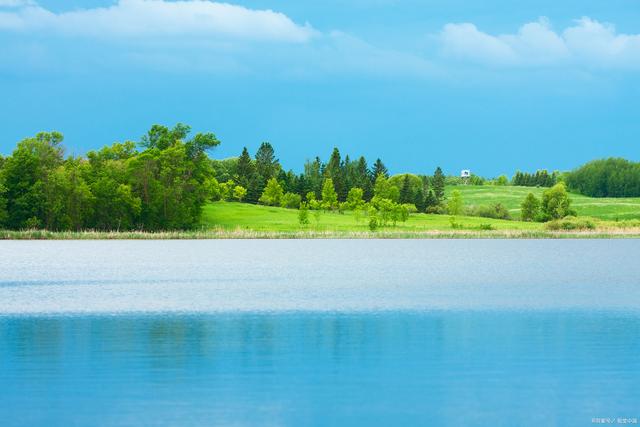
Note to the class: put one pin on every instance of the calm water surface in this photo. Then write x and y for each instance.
(182, 333)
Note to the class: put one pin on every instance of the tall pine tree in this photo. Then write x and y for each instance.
(379, 169)
(438, 184)
(245, 168)
(406, 192)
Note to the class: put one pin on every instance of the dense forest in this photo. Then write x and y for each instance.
(606, 178)
(163, 181)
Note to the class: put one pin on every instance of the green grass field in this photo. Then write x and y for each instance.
(233, 216)
(603, 208)
(228, 215)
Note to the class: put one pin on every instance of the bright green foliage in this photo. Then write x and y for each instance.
(383, 189)
(226, 190)
(239, 193)
(303, 214)
(310, 197)
(511, 197)
(373, 221)
(530, 208)
(354, 198)
(232, 215)
(329, 195)
(502, 180)
(116, 207)
(455, 206)
(172, 177)
(30, 183)
(556, 203)
(115, 188)
(291, 201)
(272, 194)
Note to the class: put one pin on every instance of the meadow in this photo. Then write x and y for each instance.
(241, 216)
(230, 215)
(610, 209)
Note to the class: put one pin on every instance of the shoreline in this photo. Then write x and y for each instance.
(228, 234)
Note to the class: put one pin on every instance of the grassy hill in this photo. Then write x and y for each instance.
(604, 208)
(231, 216)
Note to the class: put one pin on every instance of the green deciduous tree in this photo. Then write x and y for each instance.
(239, 193)
(272, 194)
(329, 195)
(556, 203)
(354, 198)
(530, 208)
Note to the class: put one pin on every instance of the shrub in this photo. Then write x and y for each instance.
(454, 223)
(290, 201)
(570, 223)
(303, 214)
(373, 222)
(455, 205)
(497, 211)
(487, 227)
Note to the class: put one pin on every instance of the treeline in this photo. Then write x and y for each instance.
(542, 178)
(160, 183)
(613, 177)
(246, 179)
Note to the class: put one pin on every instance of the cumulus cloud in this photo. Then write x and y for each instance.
(587, 42)
(157, 18)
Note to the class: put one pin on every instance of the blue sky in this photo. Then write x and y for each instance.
(493, 86)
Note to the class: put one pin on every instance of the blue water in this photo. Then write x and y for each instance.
(391, 333)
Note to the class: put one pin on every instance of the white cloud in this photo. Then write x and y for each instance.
(588, 42)
(16, 3)
(158, 18)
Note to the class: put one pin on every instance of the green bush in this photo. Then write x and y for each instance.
(373, 222)
(290, 201)
(496, 211)
(570, 223)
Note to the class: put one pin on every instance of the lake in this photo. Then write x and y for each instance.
(319, 332)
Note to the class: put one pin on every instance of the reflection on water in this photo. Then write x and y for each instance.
(397, 368)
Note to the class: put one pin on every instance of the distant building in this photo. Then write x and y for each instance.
(465, 174)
